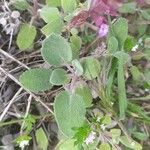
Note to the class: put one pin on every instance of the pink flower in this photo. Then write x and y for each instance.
(100, 8)
(103, 30)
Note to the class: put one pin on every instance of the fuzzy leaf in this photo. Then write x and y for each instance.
(85, 93)
(56, 50)
(26, 36)
(129, 7)
(130, 143)
(112, 44)
(120, 29)
(49, 13)
(55, 26)
(36, 80)
(69, 144)
(20, 4)
(75, 42)
(105, 146)
(53, 3)
(91, 67)
(59, 77)
(68, 5)
(69, 112)
(41, 138)
(51, 16)
(78, 67)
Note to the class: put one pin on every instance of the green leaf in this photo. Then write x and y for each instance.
(147, 43)
(85, 93)
(20, 4)
(120, 29)
(105, 146)
(130, 143)
(81, 134)
(115, 134)
(68, 144)
(36, 80)
(129, 43)
(146, 14)
(53, 3)
(136, 74)
(28, 123)
(126, 58)
(41, 138)
(59, 77)
(112, 45)
(69, 112)
(56, 50)
(51, 16)
(78, 67)
(122, 59)
(69, 5)
(26, 36)
(49, 13)
(139, 135)
(106, 120)
(75, 42)
(91, 67)
(55, 26)
(129, 7)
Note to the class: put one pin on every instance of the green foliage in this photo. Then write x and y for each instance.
(129, 43)
(53, 19)
(56, 50)
(147, 42)
(91, 67)
(104, 146)
(136, 74)
(22, 138)
(115, 134)
(69, 112)
(121, 89)
(41, 138)
(53, 3)
(59, 77)
(36, 80)
(75, 43)
(78, 67)
(48, 14)
(85, 93)
(68, 5)
(69, 144)
(81, 134)
(129, 7)
(26, 36)
(130, 143)
(106, 120)
(20, 4)
(29, 121)
(112, 45)
(120, 29)
(146, 14)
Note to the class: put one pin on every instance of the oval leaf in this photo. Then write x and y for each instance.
(41, 138)
(68, 5)
(85, 93)
(68, 144)
(120, 28)
(59, 77)
(91, 67)
(56, 50)
(69, 112)
(36, 80)
(26, 36)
